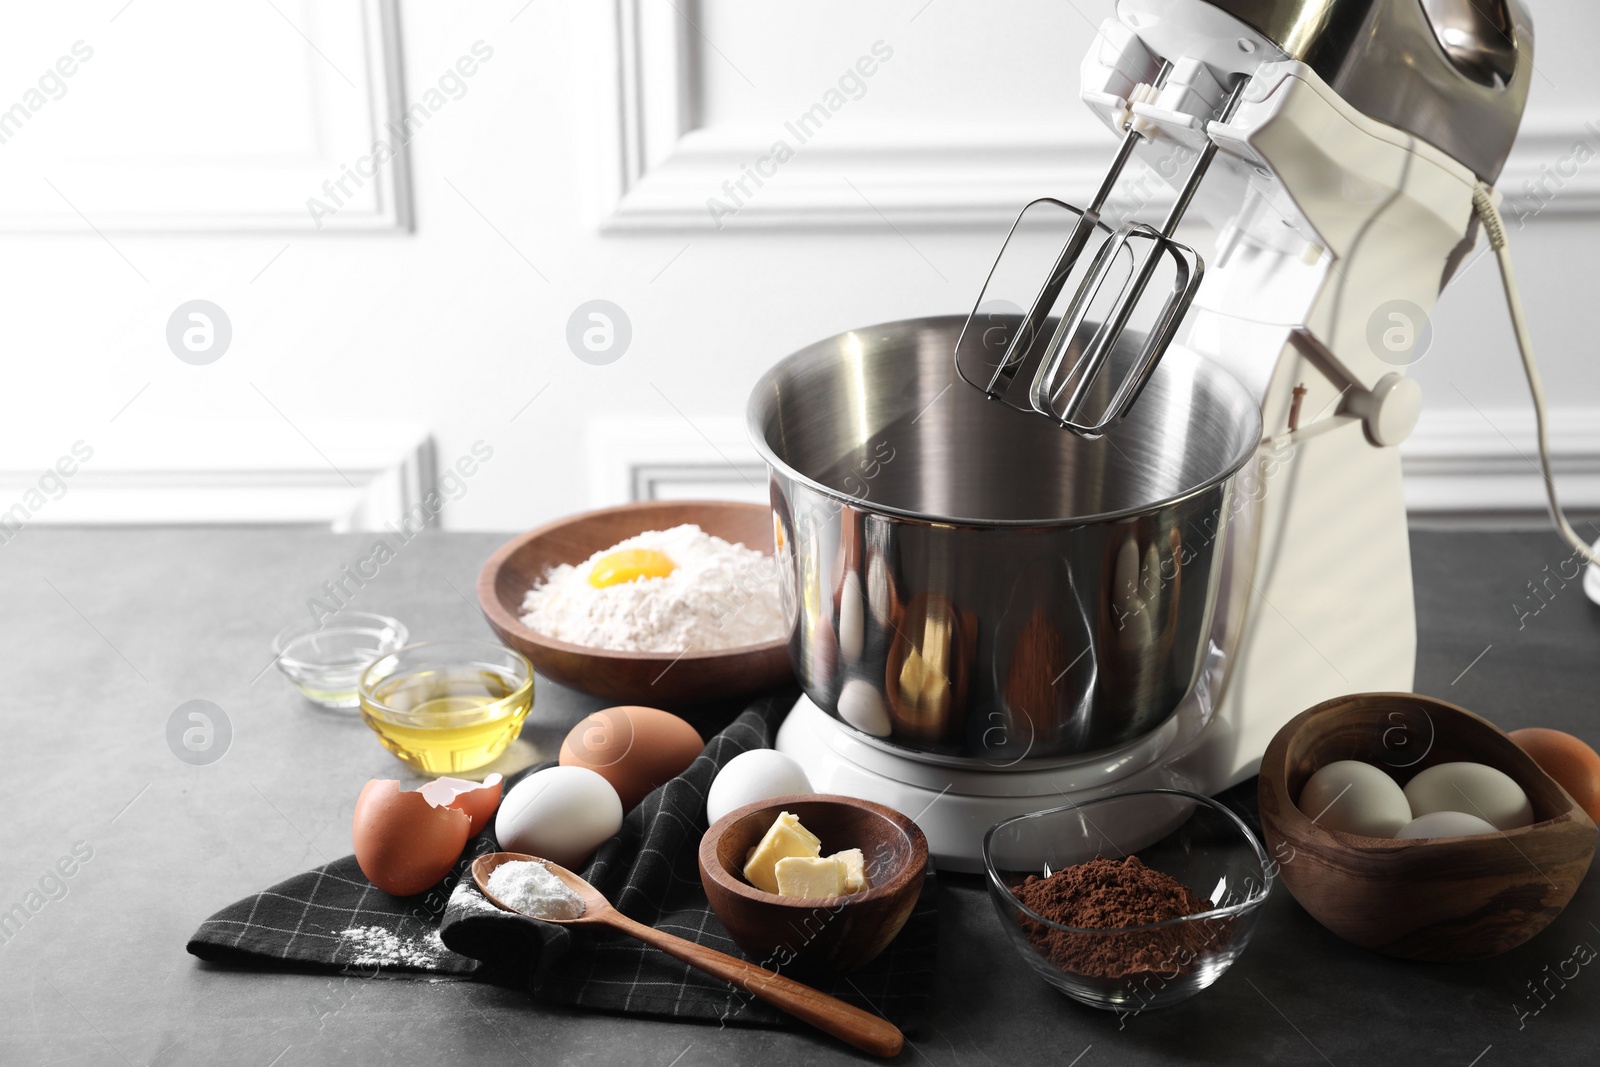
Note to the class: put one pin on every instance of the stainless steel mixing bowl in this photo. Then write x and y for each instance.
(970, 582)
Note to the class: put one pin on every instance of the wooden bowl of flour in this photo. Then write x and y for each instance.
(654, 679)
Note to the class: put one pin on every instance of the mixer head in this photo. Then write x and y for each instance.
(1453, 73)
(1070, 301)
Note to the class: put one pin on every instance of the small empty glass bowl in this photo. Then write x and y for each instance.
(1128, 969)
(447, 706)
(324, 659)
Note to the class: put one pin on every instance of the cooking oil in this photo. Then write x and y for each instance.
(445, 719)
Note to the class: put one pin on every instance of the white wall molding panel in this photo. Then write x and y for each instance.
(664, 155)
(1462, 461)
(671, 459)
(348, 476)
(193, 116)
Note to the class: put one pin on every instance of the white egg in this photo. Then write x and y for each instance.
(760, 774)
(560, 814)
(1474, 788)
(1356, 798)
(1444, 824)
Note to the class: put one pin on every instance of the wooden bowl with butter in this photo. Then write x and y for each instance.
(1441, 899)
(821, 934)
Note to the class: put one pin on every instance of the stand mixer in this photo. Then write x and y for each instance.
(1346, 149)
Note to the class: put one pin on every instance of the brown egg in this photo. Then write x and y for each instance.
(479, 800)
(405, 845)
(635, 749)
(1574, 765)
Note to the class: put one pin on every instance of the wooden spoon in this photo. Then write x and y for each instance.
(865, 1031)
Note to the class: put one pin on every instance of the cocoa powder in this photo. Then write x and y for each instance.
(1106, 894)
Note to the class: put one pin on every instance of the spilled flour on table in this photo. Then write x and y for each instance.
(374, 946)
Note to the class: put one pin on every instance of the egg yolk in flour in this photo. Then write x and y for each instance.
(629, 565)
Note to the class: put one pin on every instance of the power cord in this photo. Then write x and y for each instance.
(1495, 227)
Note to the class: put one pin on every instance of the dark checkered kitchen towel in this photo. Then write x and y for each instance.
(333, 918)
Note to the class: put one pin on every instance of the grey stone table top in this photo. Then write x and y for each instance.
(106, 632)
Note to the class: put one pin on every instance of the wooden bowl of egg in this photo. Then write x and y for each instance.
(1417, 829)
(823, 923)
(666, 679)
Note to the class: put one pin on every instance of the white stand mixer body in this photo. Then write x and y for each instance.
(1337, 234)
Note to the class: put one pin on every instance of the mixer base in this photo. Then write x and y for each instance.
(956, 806)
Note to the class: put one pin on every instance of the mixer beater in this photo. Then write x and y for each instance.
(1059, 374)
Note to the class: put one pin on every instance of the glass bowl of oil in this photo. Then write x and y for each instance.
(324, 657)
(447, 706)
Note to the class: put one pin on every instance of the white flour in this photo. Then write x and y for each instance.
(373, 946)
(721, 596)
(533, 890)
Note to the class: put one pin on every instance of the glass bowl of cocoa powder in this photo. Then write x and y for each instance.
(1132, 901)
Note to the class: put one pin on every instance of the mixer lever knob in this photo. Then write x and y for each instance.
(1390, 411)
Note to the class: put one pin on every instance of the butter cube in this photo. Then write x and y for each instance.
(784, 840)
(809, 876)
(853, 869)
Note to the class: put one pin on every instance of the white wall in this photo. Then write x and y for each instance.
(575, 168)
